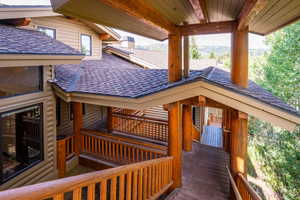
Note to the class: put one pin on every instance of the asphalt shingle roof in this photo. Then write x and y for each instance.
(22, 41)
(132, 82)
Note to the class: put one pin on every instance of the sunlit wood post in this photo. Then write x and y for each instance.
(239, 76)
(187, 124)
(77, 124)
(186, 59)
(174, 110)
(61, 157)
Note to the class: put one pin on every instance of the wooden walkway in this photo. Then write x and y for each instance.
(204, 175)
(212, 136)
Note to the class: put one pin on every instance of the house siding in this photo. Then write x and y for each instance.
(69, 31)
(46, 169)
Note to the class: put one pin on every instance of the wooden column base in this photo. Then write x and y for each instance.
(187, 124)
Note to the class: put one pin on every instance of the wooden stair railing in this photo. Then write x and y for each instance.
(246, 191)
(141, 126)
(144, 180)
(233, 186)
(65, 151)
(117, 150)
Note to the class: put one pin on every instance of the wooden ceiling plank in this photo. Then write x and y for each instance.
(142, 11)
(209, 28)
(200, 10)
(250, 9)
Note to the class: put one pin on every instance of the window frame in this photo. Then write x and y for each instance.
(41, 128)
(91, 41)
(40, 86)
(45, 27)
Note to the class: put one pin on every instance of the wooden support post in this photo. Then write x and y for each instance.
(77, 125)
(175, 143)
(109, 120)
(186, 59)
(239, 57)
(187, 124)
(61, 157)
(239, 141)
(175, 58)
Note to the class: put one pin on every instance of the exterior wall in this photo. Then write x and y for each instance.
(94, 116)
(46, 169)
(68, 31)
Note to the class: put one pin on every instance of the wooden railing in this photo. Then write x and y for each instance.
(65, 151)
(245, 189)
(118, 150)
(144, 180)
(141, 126)
(233, 186)
(196, 133)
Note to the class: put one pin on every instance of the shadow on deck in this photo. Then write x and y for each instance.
(204, 175)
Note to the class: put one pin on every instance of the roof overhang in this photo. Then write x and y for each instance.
(23, 12)
(14, 60)
(242, 103)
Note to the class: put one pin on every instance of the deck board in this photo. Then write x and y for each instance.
(212, 136)
(204, 175)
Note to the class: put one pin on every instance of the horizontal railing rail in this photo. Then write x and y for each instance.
(116, 150)
(233, 186)
(246, 190)
(151, 128)
(144, 180)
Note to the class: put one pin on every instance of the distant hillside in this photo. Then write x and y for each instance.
(204, 50)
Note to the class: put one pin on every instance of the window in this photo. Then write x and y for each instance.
(20, 80)
(58, 110)
(21, 136)
(48, 31)
(86, 45)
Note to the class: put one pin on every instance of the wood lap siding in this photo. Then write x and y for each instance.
(93, 116)
(68, 31)
(46, 169)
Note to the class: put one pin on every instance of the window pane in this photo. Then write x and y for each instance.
(21, 138)
(20, 80)
(86, 45)
(48, 31)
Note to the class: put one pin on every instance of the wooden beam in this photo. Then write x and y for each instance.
(202, 100)
(187, 124)
(186, 56)
(141, 10)
(200, 10)
(250, 9)
(209, 28)
(174, 58)
(239, 57)
(239, 141)
(104, 36)
(77, 125)
(175, 143)
(16, 22)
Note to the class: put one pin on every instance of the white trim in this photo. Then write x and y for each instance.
(245, 104)
(12, 60)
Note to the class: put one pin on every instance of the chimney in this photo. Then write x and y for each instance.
(128, 42)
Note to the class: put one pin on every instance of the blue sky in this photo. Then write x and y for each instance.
(255, 41)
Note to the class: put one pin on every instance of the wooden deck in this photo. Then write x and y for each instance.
(212, 136)
(204, 175)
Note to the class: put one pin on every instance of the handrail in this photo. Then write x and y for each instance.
(117, 151)
(233, 185)
(144, 180)
(247, 192)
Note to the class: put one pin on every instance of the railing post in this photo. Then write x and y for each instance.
(77, 125)
(61, 157)
(109, 122)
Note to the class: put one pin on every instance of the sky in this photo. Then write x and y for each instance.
(255, 41)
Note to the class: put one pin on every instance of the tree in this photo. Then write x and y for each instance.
(194, 52)
(212, 55)
(277, 150)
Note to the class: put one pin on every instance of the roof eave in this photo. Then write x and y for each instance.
(13, 60)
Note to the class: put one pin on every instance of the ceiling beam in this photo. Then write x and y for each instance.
(104, 36)
(209, 28)
(250, 9)
(199, 7)
(141, 10)
(16, 22)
